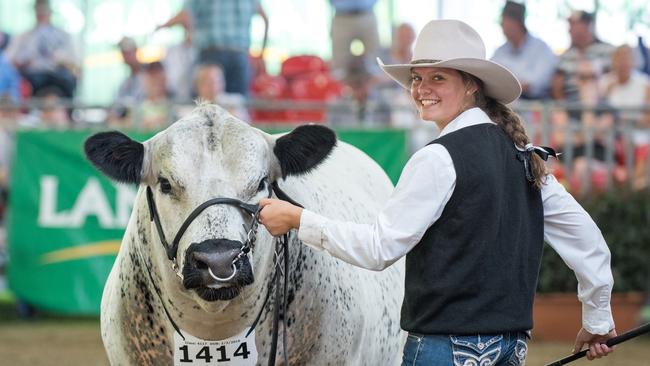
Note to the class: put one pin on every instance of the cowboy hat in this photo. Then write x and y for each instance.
(455, 45)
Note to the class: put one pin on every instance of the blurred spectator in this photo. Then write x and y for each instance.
(50, 109)
(596, 119)
(644, 64)
(9, 80)
(221, 34)
(4, 40)
(584, 44)
(155, 111)
(209, 86)
(353, 20)
(44, 56)
(625, 87)
(528, 57)
(396, 98)
(131, 90)
(179, 67)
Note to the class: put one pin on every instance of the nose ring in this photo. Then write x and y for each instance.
(220, 279)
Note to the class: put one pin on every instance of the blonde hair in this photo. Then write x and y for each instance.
(509, 122)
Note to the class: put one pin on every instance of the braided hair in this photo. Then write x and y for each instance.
(509, 122)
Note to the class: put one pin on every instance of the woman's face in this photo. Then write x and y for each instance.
(440, 94)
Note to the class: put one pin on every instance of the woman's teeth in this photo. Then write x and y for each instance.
(428, 102)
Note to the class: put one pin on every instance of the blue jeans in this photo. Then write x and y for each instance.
(473, 350)
(235, 66)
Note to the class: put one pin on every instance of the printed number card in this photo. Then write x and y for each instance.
(235, 351)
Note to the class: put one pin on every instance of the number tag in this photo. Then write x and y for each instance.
(235, 351)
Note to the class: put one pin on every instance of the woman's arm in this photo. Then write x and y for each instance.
(576, 238)
(424, 188)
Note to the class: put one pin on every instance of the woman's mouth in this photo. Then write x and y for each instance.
(429, 102)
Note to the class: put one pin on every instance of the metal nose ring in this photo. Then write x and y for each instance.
(234, 272)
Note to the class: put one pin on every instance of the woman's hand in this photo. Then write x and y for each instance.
(596, 343)
(279, 216)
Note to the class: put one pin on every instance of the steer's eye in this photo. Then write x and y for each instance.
(262, 185)
(165, 186)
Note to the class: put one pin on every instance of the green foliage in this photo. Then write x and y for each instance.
(624, 219)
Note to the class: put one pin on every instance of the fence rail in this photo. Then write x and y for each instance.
(601, 146)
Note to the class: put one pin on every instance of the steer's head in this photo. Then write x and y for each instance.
(207, 155)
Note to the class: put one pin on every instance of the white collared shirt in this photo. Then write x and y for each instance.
(424, 188)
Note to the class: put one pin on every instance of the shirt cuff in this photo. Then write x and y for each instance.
(597, 321)
(311, 229)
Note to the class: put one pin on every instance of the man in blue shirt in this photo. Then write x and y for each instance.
(9, 80)
(528, 57)
(221, 34)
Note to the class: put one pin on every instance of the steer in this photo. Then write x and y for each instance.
(182, 290)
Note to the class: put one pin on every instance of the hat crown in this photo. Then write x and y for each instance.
(448, 39)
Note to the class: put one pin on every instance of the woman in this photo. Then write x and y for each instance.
(470, 212)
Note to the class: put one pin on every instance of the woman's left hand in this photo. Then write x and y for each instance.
(279, 216)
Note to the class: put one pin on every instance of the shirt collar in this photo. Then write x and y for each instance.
(470, 117)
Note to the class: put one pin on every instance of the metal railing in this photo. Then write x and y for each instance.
(608, 156)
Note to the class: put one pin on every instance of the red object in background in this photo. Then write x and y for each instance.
(315, 87)
(297, 66)
(302, 78)
(268, 88)
(25, 89)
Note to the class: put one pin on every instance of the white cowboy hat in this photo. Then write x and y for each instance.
(455, 45)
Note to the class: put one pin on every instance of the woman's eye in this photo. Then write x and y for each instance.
(415, 78)
(165, 186)
(437, 78)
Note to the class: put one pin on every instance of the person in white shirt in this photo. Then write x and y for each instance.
(470, 213)
(45, 55)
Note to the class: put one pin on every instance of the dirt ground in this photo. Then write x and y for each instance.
(77, 342)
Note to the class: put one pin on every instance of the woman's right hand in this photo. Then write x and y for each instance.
(279, 216)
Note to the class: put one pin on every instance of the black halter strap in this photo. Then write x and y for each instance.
(281, 261)
(173, 248)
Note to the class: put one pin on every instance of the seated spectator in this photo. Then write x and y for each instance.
(4, 40)
(179, 67)
(595, 117)
(155, 111)
(210, 87)
(626, 87)
(9, 80)
(584, 44)
(528, 57)
(44, 56)
(131, 90)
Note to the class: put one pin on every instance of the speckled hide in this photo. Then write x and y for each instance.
(337, 314)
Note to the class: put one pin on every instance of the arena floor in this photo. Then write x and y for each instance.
(77, 342)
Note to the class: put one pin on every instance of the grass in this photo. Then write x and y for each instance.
(76, 341)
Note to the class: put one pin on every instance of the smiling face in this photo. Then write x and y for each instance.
(440, 94)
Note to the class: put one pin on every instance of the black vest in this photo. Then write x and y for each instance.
(475, 269)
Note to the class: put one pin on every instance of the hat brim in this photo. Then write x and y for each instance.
(499, 82)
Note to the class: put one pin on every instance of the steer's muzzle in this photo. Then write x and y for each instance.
(209, 268)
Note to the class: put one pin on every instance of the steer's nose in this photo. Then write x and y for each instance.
(214, 256)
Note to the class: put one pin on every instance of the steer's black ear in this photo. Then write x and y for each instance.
(116, 155)
(304, 148)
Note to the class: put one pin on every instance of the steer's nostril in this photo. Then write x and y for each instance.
(220, 263)
(201, 265)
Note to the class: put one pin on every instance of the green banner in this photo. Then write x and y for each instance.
(66, 220)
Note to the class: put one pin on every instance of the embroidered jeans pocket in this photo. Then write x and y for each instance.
(518, 357)
(476, 350)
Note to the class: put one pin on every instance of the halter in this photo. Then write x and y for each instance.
(281, 260)
(172, 250)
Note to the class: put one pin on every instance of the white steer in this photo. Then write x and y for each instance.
(181, 273)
